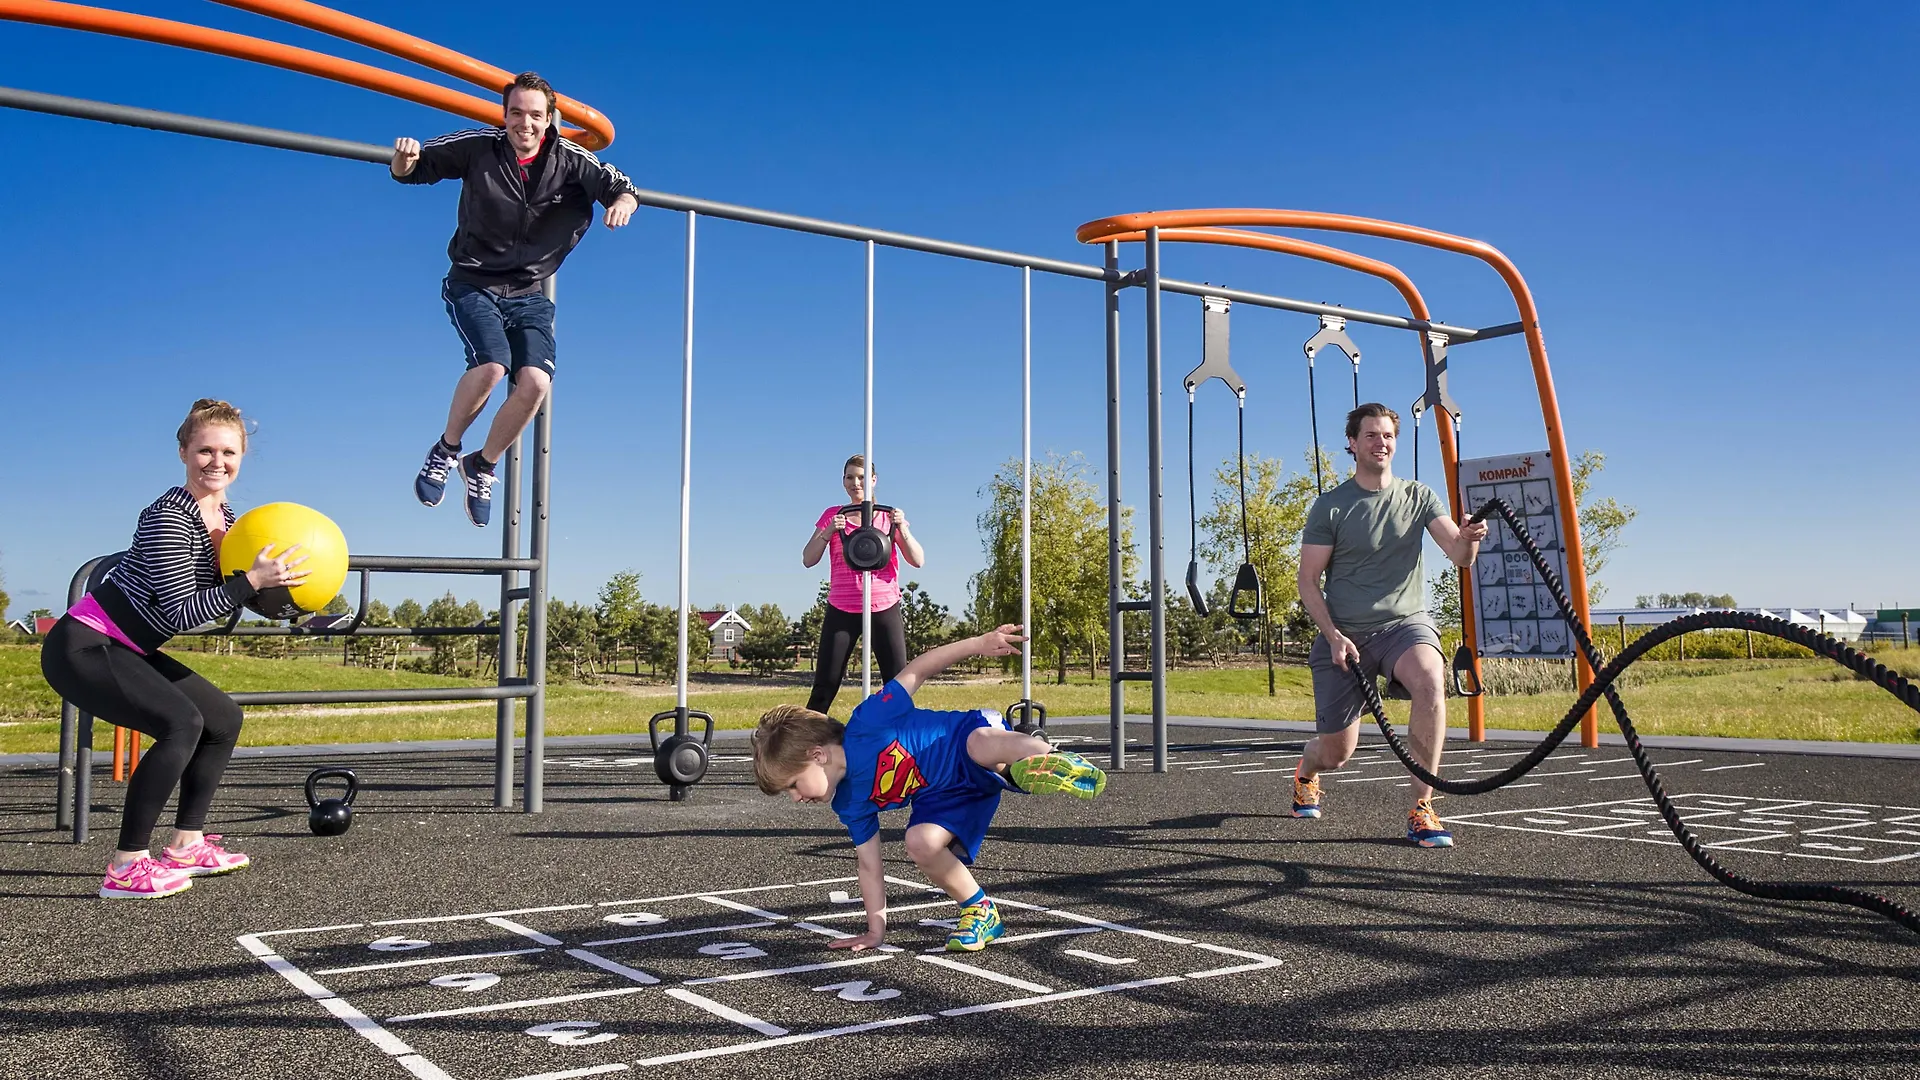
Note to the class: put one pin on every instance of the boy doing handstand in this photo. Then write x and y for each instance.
(950, 766)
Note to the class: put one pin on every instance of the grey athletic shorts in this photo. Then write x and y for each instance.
(1336, 693)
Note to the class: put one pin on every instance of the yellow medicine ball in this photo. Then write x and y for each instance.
(282, 525)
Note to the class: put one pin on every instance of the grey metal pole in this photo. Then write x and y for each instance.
(1116, 619)
(509, 644)
(1026, 486)
(1156, 541)
(106, 112)
(533, 783)
(69, 808)
(680, 724)
(866, 577)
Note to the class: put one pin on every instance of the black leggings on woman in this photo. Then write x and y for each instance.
(192, 723)
(839, 633)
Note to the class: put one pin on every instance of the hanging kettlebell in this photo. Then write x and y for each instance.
(867, 548)
(330, 817)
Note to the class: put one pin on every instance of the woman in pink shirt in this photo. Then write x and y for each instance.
(840, 632)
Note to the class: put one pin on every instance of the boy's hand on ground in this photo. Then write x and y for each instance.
(1002, 641)
(406, 154)
(869, 940)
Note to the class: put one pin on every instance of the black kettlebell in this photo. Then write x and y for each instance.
(330, 817)
(867, 548)
(680, 760)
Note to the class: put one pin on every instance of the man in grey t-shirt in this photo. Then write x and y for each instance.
(1366, 536)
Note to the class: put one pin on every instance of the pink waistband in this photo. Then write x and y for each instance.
(89, 613)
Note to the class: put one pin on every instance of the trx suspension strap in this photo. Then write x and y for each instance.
(1333, 331)
(1214, 365)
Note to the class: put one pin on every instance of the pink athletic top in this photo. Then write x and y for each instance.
(843, 589)
(89, 613)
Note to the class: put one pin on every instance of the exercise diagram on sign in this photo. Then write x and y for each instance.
(1517, 612)
(591, 989)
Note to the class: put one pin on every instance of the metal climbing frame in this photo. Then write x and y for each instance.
(1222, 227)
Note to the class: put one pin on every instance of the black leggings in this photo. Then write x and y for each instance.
(839, 633)
(192, 723)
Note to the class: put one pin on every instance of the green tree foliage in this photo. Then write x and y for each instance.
(1685, 599)
(660, 630)
(571, 632)
(808, 628)
(409, 613)
(1069, 549)
(928, 624)
(449, 652)
(768, 646)
(337, 606)
(1276, 512)
(5, 600)
(620, 612)
(1601, 520)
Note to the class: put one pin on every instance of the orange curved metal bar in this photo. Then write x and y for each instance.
(240, 47)
(1128, 225)
(594, 133)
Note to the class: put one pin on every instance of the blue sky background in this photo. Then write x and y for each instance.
(1713, 206)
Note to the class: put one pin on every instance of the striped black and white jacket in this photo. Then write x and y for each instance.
(507, 234)
(169, 579)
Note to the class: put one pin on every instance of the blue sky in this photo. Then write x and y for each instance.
(1712, 206)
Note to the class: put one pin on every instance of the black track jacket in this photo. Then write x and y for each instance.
(508, 235)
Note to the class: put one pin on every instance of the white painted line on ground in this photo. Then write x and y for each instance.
(1567, 772)
(1250, 772)
(1101, 958)
(502, 1006)
(1721, 768)
(1597, 779)
(920, 885)
(424, 963)
(617, 968)
(1091, 921)
(1015, 1003)
(738, 906)
(788, 1040)
(422, 1068)
(1261, 961)
(527, 932)
(1071, 931)
(1203, 762)
(955, 965)
(1364, 779)
(1514, 787)
(826, 881)
(1671, 764)
(701, 895)
(591, 1070)
(725, 1013)
(675, 933)
(861, 914)
(828, 931)
(308, 930)
(358, 1021)
(475, 915)
(771, 972)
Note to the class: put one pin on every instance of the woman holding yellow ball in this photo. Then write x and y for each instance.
(104, 656)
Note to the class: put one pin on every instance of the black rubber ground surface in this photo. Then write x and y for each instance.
(1522, 952)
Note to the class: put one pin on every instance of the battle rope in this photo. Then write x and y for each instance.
(1821, 644)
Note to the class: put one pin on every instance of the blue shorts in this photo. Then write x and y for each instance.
(515, 332)
(966, 806)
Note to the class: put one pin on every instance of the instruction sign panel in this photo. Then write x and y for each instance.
(1516, 612)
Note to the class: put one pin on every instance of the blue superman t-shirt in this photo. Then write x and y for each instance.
(896, 752)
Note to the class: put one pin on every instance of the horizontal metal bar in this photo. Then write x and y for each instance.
(1488, 333)
(821, 227)
(1133, 676)
(364, 631)
(431, 564)
(403, 694)
(1134, 605)
(511, 595)
(1308, 307)
(106, 112)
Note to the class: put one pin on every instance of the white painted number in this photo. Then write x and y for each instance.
(858, 990)
(635, 918)
(396, 943)
(467, 982)
(570, 1033)
(731, 950)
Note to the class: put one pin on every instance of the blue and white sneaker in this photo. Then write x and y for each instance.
(1424, 828)
(430, 486)
(479, 481)
(979, 924)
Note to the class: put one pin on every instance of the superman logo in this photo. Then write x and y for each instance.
(896, 777)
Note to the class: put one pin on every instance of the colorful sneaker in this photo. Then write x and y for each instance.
(1423, 826)
(979, 924)
(1306, 796)
(202, 859)
(143, 879)
(430, 486)
(1058, 772)
(479, 483)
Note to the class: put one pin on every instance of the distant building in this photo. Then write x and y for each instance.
(728, 630)
(1844, 624)
(38, 627)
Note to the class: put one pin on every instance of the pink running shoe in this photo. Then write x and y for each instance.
(202, 859)
(143, 879)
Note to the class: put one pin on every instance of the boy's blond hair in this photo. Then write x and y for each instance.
(787, 733)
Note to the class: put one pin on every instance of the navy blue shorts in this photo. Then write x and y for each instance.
(965, 807)
(515, 332)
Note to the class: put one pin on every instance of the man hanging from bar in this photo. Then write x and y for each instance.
(1365, 535)
(526, 198)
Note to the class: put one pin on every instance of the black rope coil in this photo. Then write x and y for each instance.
(1907, 692)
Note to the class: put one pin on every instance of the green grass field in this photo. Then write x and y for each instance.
(1783, 699)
